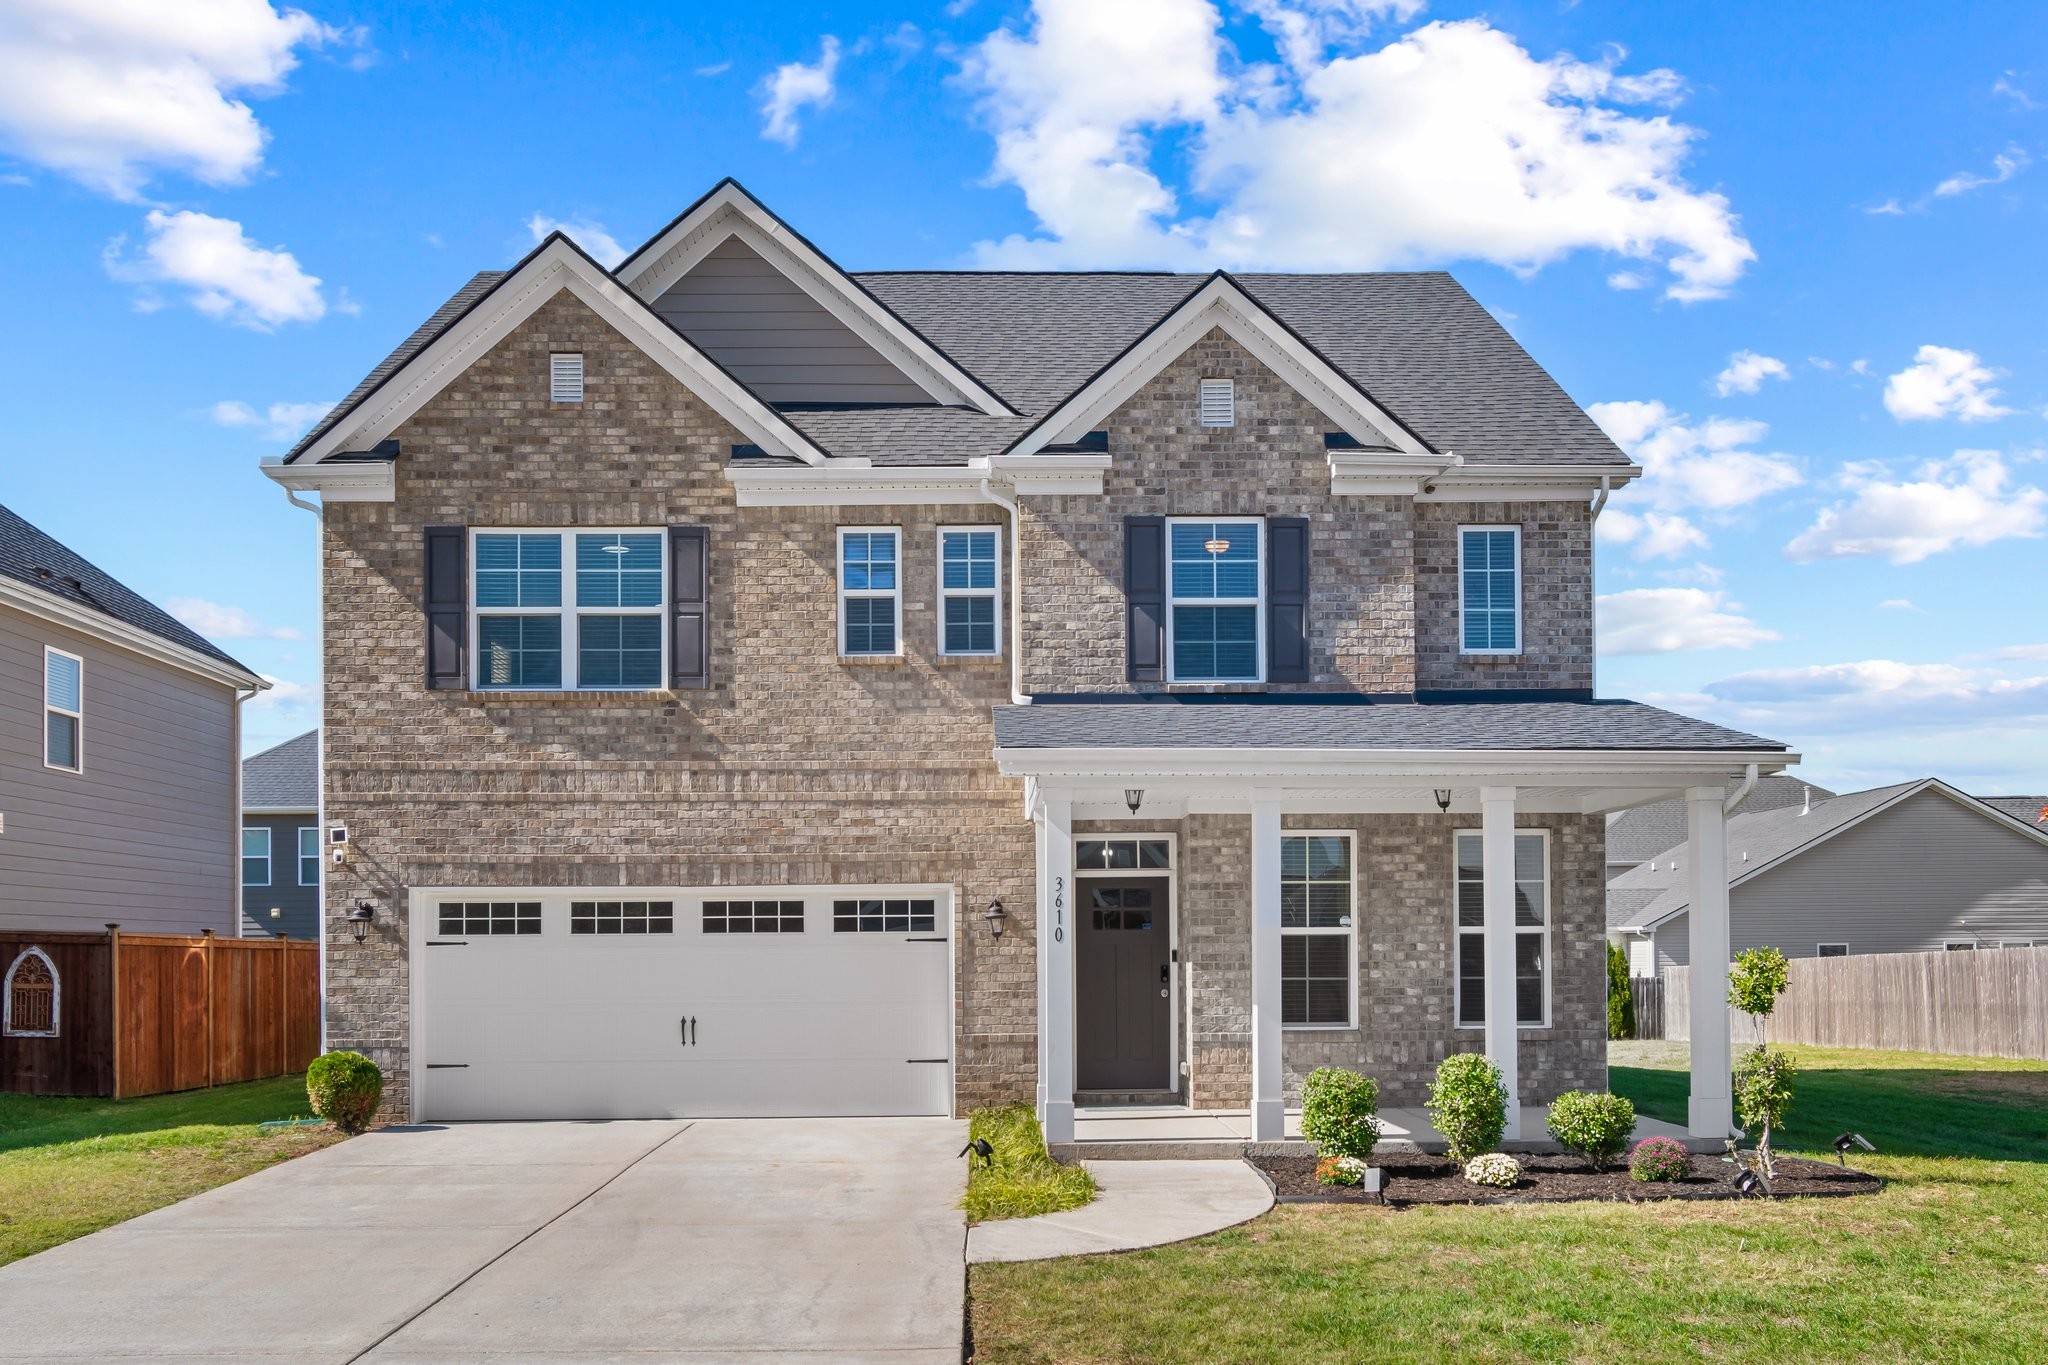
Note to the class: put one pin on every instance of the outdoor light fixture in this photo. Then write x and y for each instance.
(1748, 1183)
(1443, 798)
(980, 1147)
(360, 918)
(1134, 797)
(1217, 546)
(1847, 1141)
(995, 915)
(276, 913)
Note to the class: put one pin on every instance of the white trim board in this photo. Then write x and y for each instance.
(109, 630)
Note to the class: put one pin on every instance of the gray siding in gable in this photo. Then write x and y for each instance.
(778, 340)
(300, 904)
(144, 837)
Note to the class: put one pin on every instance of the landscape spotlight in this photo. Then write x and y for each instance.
(1848, 1140)
(1748, 1183)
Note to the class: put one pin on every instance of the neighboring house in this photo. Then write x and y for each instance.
(2031, 810)
(281, 852)
(1911, 868)
(1637, 835)
(757, 689)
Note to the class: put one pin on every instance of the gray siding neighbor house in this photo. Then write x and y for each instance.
(281, 852)
(1636, 836)
(1916, 867)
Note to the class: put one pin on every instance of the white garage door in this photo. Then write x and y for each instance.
(651, 1004)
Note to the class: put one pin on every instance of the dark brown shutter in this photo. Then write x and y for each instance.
(447, 604)
(1145, 598)
(689, 658)
(1287, 599)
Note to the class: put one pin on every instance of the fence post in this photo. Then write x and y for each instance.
(114, 1000)
(284, 1001)
(209, 1007)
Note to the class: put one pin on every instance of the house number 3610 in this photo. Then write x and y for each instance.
(1059, 909)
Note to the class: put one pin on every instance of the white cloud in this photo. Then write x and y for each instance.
(229, 277)
(283, 695)
(1897, 604)
(1650, 535)
(280, 421)
(1877, 694)
(1703, 466)
(1449, 142)
(218, 622)
(714, 69)
(109, 93)
(2004, 167)
(1666, 620)
(1963, 500)
(792, 88)
(2008, 85)
(1944, 382)
(591, 236)
(1747, 371)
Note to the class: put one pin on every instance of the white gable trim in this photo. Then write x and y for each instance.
(1221, 303)
(729, 211)
(109, 630)
(554, 267)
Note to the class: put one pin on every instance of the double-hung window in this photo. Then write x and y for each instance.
(1490, 589)
(63, 710)
(1532, 928)
(309, 855)
(1318, 931)
(970, 590)
(255, 856)
(1215, 581)
(870, 591)
(570, 610)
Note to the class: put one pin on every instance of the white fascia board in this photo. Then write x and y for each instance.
(349, 481)
(1510, 767)
(1525, 483)
(856, 483)
(1048, 474)
(106, 629)
(1384, 473)
(557, 267)
(1220, 303)
(732, 212)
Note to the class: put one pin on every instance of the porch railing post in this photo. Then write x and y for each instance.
(1056, 963)
(1711, 1111)
(1497, 850)
(1268, 1106)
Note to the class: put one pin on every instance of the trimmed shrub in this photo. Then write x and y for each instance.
(1621, 1001)
(1495, 1169)
(344, 1088)
(1659, 1158)
(1595, 1127)
(1337, 1112)
(1468, 1103)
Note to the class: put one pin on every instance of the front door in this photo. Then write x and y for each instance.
(1123, 985)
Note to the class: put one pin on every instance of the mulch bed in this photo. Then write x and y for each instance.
(1419, 1178)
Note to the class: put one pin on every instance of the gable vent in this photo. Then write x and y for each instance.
(565, 377)
(1219, 403)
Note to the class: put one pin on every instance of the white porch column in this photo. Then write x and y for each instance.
(1497, 848)
(1711, 1113)
(1268, 1108)
(1056, 963)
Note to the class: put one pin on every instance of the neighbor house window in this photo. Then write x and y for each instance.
(63, 710)
(970, 590)
(1830, 950)
(1532, 928)
(255, 857)
(1219, 403)
(309, 855)
(565, 377)
(1490, 589)
(490, 917)
(870, 591)
(570, 610)
(622, 917)
(1215, 577)
(885, 916)
(1318, 930)
(33, 996)
(1956, 945)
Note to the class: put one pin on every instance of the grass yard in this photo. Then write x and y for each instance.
(1020, 1180)
(69, 1166)
(1949, 1263)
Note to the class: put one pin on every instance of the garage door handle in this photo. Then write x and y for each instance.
(693, 1030)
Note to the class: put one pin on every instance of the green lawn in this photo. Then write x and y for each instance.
(69, 1167)
(1020, 1179)
(1949, 1263)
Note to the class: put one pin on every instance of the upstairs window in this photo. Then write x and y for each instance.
(565, 377)
(63, 710)
(570, 610)
(255, 856)
(1215, 578)
(1532, 928)
(1219, 403)
(309, 855)
(1490, 589)
(870, 591)
(970, 590)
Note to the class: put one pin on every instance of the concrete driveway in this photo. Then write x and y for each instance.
(730, 1239)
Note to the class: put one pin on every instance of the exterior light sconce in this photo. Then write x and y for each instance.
(1134, 797)
(276, 914)
(1443, 799)
(995, 915)
(360, 919)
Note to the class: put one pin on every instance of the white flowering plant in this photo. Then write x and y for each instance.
(1495, 1169)
(1341, 1170)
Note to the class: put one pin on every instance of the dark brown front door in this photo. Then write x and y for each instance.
(1123, 976)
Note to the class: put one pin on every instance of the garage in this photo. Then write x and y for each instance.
(681, 1003)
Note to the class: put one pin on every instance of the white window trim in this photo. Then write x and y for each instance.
(895, 594)
(1495, 653)
(945, 593)
(78, 716)
(1259, 606)
(1458, 931)
(56, 1027)
(313, 830)
(1350, 932)
(570, 610)
(1843, 946)
(269, 862)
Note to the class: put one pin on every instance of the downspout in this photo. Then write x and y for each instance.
(1606, 487)
(1741, 793)
(319, 743)
(1017, 697)
(1600, 501)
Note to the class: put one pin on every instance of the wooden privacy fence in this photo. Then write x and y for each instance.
(142, 1014)
(1648, 992)
(1988, 1003)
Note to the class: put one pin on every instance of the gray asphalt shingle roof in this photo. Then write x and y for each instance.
(1634, 836)
(2027, 809)
(285, 777)
(29, 555)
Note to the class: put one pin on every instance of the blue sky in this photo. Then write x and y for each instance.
(1789, 255)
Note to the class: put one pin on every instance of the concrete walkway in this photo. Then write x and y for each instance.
(1138, 1204)
(719, 1240)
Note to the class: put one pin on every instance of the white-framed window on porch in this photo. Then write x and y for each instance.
(1490, 589)
(870, 591)
(1532, 928)
(1215, 620)
(970, 590)
(1318, 931)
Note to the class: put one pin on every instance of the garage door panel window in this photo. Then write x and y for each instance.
(753, 917)
(622, 917)
(570, 610)
(885, 916)
(486, 918)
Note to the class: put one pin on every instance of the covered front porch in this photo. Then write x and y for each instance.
(1374, 886)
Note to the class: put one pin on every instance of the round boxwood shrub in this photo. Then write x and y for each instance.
(1468, 1103)
(1338, 1109)
(1659, 1158)
(1595, 1127)
(344, 1088)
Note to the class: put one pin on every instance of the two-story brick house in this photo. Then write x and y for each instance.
(758, 689)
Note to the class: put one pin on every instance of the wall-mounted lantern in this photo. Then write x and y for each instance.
(1443, 799)
(1134, 797)
(360, 919)
(995, 915)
